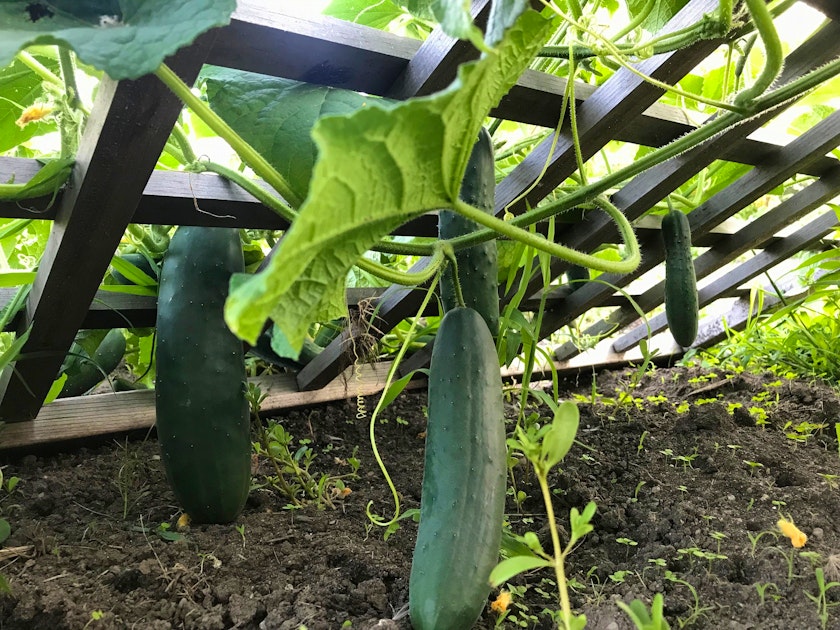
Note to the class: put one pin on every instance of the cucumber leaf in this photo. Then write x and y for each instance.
(126, 39)
(378, 15)
(663, 11)
(377, 168)
(276, 116)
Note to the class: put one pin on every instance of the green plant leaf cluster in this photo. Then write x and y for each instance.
(125, 39)
(276, 116)
(377, 168)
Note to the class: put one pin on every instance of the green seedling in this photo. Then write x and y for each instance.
(762, 588)
(821, 597)
(241, 531)
(753, 466)
(545, 448)
(641, 446)
(639, 485)
(697, 610)
(644, 620)
(754, 538)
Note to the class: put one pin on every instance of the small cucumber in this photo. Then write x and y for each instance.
(142, 262)
(478, 265)
(85, 370)
(681, 304)
(463, 496)
(203, 421)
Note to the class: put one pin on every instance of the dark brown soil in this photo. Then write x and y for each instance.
(684, 495)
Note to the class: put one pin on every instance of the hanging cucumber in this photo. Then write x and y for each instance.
(477, 266)
(681, 305)
(202, 414)
(86, 367)
(576, 276)
(141, 261)
(463, 498)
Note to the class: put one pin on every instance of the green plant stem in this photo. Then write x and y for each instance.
(559, 553)
(630, 261)
(456, 282)
(585, 194)
(774, 56)
(404, 277)
(68, 72)
(249, 185)
(392, 372)
(184, 145)
(246, 152)
(38, 68)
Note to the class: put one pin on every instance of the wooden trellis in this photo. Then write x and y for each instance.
(114, 183)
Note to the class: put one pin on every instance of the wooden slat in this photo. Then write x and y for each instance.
(648, 188)
(816, 141)
(829, 8)
(434, 64)
(123, 138)
(744, 272)
(615, 104)
(116, 413)
(756, 234)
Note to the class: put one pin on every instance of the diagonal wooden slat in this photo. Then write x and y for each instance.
(751, 236)
(436, 61)
(620, 100)
(723, 286)
(817, 141)
(125, 133)
(645, 190)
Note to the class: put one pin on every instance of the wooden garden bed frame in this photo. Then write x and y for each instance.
(114, 183)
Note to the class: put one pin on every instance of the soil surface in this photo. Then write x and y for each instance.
(690, 471)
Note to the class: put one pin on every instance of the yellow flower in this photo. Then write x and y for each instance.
(33, 113)
(797, 536)
(501, 603)
(183, 522)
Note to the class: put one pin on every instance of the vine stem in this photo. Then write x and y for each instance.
(246, 152)
(631, 259)
(379, 405)
(774, 56)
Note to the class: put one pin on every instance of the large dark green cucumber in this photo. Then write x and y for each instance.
(85, 370)
(477, 266)
(463, 497)
(202, 414)
(681, 305)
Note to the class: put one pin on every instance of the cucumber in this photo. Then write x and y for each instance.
(85, 369)
(202, 415)
(576, 275)
(463, 497)
(477, 266)
(681, 305)
(142, 262)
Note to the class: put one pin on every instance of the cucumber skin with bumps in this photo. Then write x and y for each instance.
(681, 303)
(202, 415)
(477, 265)
(463, 494)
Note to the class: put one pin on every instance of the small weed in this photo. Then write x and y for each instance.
(821, 599)
(762, 587)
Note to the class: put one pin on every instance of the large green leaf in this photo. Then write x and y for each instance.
(377, 15)
(19, 88)
(126, 39)
(663, 11)
(377, 168)
(276, 116)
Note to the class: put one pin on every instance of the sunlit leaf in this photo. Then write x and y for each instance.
(125, 39)
(377, 168)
